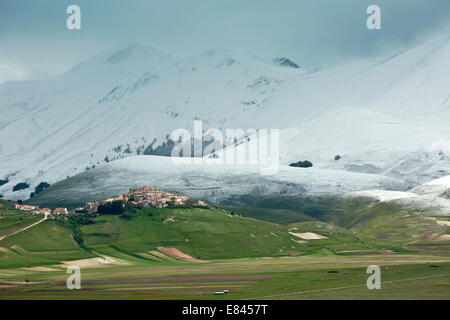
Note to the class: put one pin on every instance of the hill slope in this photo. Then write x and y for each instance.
(49, 242)
(202, 233)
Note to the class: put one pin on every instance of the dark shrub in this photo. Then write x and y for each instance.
(115, 207)
(128, 149)
(39, 188)
(2, 182)
(302, 164)
(78, 236)
(21, 186)
(337, 157)
(83, 219)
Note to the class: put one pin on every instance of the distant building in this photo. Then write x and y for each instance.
(25, 207)
(92, 207)
(146, 197)
(139, 197)
(42, 211)
(200, 203)
(61, 211)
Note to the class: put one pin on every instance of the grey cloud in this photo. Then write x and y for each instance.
(35, 42)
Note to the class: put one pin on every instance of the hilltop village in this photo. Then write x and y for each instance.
(140, 197)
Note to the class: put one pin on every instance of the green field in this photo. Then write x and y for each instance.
(44, 244)
(126, 258)
(14, 222)
(406, 277)
(385, 225)
(202, 233)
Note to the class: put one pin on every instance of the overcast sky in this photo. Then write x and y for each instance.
(35, 43)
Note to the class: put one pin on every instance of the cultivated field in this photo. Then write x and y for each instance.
(403, 277)
(191, 253)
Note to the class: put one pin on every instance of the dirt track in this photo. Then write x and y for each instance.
(179, 255)
(27, 227)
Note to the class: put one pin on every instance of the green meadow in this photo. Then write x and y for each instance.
(132, 257)
(406, 277)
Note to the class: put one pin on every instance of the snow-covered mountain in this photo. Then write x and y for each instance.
(386, 116)
(362, 140)
(121, 102)
(431, 197)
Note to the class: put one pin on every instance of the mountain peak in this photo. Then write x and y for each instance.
(132, 57)
(135, 49)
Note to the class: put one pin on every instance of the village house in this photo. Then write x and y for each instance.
(92, 207)
(25, 207)
(42, 211)
(200, 203)
(139, 197)
(148, 196)
(61, 211)
(124, 197)
(78, 210)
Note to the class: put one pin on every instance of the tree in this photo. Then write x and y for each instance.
(337, 157)
(83, 219)
(128, 149)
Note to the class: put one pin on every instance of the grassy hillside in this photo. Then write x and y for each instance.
(351, 227)
(6, 208)
(12, 220)
(402, 226)
(46, 243)
(12, 223)
(338, 240)
(319, 227)
(201, 233)
(274, 215)
(342, 211)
